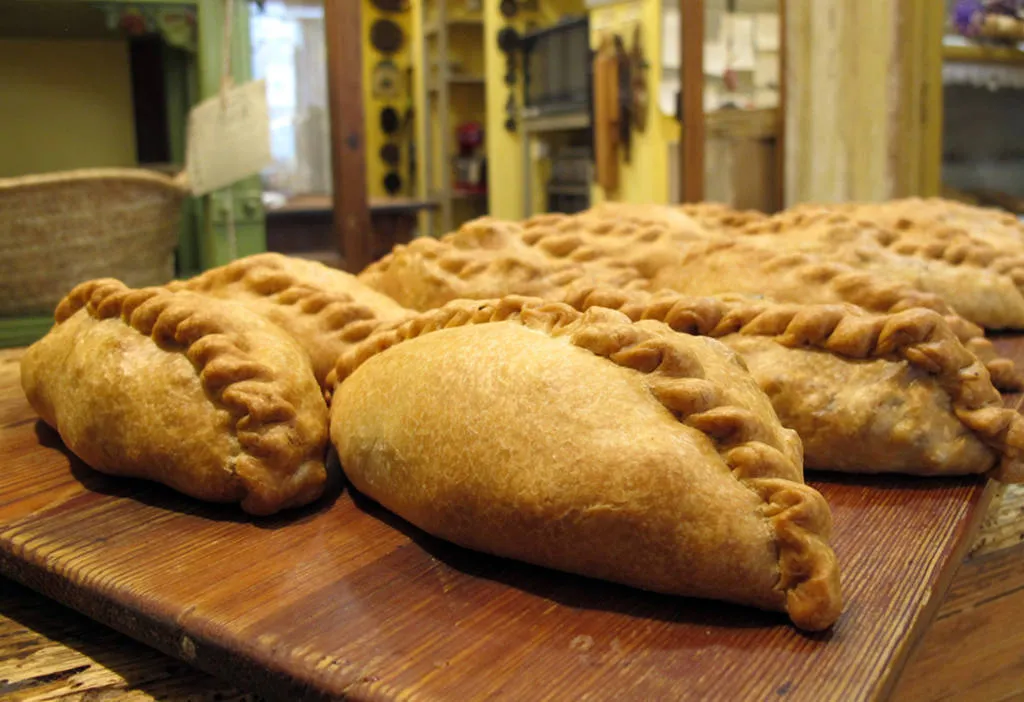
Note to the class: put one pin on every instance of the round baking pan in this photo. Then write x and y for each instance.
(390, 154)
(392, 183)
(389, 121)
(509, 8)
(389, 5)
(386, 36)
(386, 80)
(508, 40)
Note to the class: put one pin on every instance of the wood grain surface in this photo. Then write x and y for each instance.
(344, 599)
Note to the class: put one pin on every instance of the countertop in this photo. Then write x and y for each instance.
(970, 651)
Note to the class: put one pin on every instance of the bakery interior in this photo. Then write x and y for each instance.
(511, 349)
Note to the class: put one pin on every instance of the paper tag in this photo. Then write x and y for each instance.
(741, 42)
(228, 138)
(766, 70)
(767, 36)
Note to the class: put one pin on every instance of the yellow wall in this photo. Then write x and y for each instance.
(64, 104)
(504, 153)
(375, 137)
(645, 177)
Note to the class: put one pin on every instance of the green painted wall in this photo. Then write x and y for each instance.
(66, 104)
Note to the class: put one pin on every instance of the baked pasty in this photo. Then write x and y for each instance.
(866, 393)
(737, 265)
(941, 219)
(972, 277)
(324, 309)
(486, 258)
(198, 394)
(590, 444)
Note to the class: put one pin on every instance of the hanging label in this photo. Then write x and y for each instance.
(228, 138)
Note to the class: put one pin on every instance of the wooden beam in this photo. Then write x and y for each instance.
(780, 133)
(342, 25)
(691, 13)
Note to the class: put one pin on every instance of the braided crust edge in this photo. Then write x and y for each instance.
(228, 372)
(918, 336)
(798, 514)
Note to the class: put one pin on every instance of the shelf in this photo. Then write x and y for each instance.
(579, 190)
(459, 80)
(556, 122)
(461, 195)
(430, 28)
(981, 53)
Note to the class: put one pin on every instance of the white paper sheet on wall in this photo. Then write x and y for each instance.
(667, 92)
(766, 69)
(765, 98)
(767, 31)
(715, 59)
(670, 33)
(741, 42)
(712, 97)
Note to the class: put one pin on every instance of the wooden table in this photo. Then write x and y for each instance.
(972, 649)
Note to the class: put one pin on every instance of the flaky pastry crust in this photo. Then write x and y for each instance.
(704, 388)
(918, 338)
(198, 394)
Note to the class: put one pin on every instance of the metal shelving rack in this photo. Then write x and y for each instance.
(438, 79)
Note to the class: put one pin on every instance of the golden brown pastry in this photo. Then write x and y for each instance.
(485, 258)
(326, 310)
(866, 393)
(942, 219)
(719, 218)
(730, 266)
(587, 443)
(198, 394)
(646, 215)
(970, 276)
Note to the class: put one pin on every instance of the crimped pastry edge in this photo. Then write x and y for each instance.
(559, 236)
(339, 315)
(920, 337)
(263, 426)
(799, 516)
(949, 244)
(482, 249)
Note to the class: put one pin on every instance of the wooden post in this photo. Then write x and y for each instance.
(342, 25)
(691, 143)
(780, 134)
(862, 99)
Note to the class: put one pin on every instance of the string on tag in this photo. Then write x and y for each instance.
(225, 85)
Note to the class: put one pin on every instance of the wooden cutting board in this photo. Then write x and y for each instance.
(343, 599)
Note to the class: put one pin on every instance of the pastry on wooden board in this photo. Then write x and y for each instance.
(484, 259)
(971, 277)
(867, 393)
(942, 219)
(325, 309)
(587, 443)
(738, 265)
(199, 394)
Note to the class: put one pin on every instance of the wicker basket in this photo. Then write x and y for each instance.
(59, 229)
